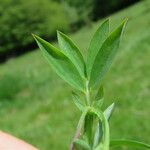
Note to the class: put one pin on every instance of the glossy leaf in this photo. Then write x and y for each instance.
(77, 101)
(106, 55)
(96, 43)
(130, 143)
(61, 64)
(81, 145)
(72, 52)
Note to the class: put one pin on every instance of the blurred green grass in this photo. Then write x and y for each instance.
(35, 104)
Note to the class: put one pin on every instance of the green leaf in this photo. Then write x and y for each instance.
(61, 64)
(130, 143)
(106, 55)
(88, 127)
(78, 102)
(98, 104)
(99, 98)
(100, 93)
(97, 135)
(72, 52)
(99, 132)
(109, 111)
(96, 43)
(104, 145)
(81, 145)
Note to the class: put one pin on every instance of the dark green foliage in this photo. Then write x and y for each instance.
(102, 8)
(19, 18)
(81, 10)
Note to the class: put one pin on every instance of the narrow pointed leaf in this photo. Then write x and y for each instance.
(99, 98)
(109, 111)
(130, 143)
(106, 55)
(100, 93)
(78, 102)
(96, 43)
(72, 52)
(98, 104)
(81, 145)
(61, 64)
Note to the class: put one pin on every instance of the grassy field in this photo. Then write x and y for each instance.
(36, 105)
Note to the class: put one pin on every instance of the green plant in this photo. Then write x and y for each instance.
(19, 18)
(85, 76)
(81, 9)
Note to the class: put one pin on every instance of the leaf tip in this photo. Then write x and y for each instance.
(107, 20)
(125, 19)
(123, 23)
(59, 33)
(33, 35)
(112, 105)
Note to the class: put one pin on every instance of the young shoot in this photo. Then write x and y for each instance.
(86, 76)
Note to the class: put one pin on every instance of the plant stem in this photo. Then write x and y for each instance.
(79, 128)
(82, 118)
(106, 134)
(87, 93)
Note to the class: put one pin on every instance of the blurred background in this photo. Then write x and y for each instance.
(35, 104)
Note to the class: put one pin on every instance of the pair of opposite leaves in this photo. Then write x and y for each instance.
(69, 63)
